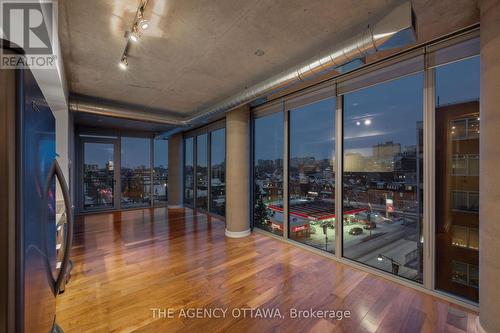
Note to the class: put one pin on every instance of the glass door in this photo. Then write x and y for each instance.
(135, 172)
(99, 173)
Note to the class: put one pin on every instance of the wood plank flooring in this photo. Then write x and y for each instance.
(128, 263)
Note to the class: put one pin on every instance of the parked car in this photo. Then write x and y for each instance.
(356, 231)
(370, 226)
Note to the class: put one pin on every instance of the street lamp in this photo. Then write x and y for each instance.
(395, 265)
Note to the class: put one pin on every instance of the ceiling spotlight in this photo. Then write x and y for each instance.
(358, 123)
(135, 34)
(123, 63)
(368, 122)
(144, 24)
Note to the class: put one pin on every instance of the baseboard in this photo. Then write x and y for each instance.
(238, 234)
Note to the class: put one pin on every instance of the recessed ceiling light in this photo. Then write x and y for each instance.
(358, 123)
(368, 122)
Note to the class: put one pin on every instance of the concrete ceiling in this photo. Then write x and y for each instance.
(198, 52)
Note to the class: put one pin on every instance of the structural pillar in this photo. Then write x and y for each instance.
(175, 171)
(238, 173)
(489, 186)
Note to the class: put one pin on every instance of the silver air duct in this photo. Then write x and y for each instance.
(97, 106)
(396, 29)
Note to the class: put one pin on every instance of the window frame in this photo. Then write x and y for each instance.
(86, 134)
(455, 47)
(193, 134)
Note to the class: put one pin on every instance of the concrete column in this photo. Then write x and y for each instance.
(175, 171)
(238, 173)
(489, 186)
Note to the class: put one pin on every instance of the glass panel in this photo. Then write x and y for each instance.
(473, 202)
(459, 165)
(473, 165)
(459, 237)
(160, 171)
(98, 175)
(135, 171)
(457, 199)
(474, 238)
(202, 172)
(189, 171)
(382, 176)
(268, 173)
(473, 276)
(460, 200)
(311, 182)
(218, 172)
(472, 128)
(458, 129)
(459, 272)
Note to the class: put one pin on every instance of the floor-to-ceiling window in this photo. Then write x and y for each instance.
(205, 169)
(457, 178)
(382, 176)
(135, 171)
(120, 169)
(160, 171)
(409, 187)
(98, 175)
(268, 173)
(189, 171)
(202, 171)
(218, 172)
(311, 175)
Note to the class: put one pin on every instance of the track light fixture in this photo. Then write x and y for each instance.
(140, 24)
(123, 62)
(144, 24)
(135, 34)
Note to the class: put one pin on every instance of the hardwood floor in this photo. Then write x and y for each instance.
(128, 263)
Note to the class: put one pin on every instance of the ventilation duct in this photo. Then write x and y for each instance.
(78, 103)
